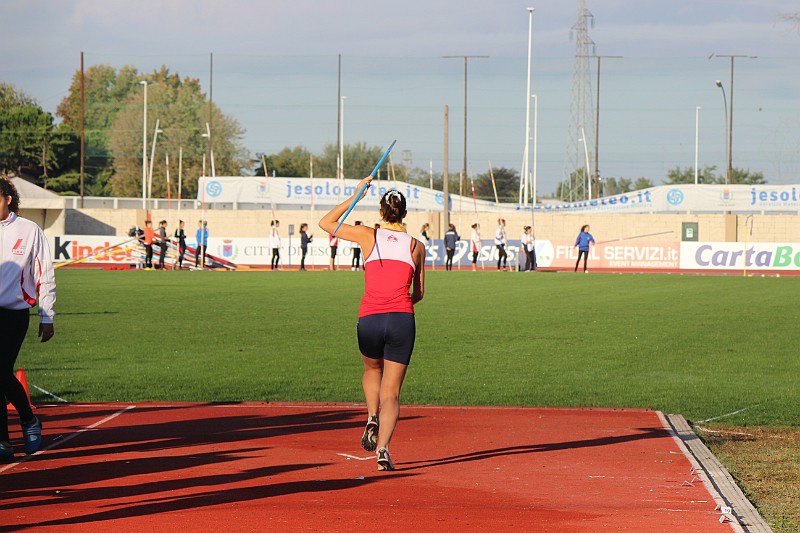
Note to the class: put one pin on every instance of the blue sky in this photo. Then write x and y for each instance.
(275, 71)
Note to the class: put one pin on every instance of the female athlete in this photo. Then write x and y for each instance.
(394, 264)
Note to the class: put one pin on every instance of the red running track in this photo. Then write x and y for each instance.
(280, 467)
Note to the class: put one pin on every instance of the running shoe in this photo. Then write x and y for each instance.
(370, 438)
(6, 452)
(32, 432)
(384, 461)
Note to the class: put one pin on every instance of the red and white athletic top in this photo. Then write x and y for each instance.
(388, 273)
(26, 270)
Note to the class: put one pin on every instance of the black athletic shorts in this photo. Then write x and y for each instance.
(387, 336)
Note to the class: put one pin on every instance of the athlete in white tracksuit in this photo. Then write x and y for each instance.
(26, 274)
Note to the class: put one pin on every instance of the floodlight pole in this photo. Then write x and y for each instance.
(465, 101)
(152, 157)
(144, 148)
(340, 170)
(445, 170)
(83, 128)
(597, 129)
(525, 174)
(729, 174)
(725, 108)
(696, 142)
(535, 142)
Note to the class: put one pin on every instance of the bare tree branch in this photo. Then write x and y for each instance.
(791, 18)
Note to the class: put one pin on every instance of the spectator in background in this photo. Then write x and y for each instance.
(450, 240)
(526, 245)
(423, 234)
(475, 245)
(305, 239)
(333, 241)
(355, 248)
(162, 238)
(583, 242)
(202, 244)
(26, 272)
(501, 240)
(275, 243)
(149, 235)
(181, 236)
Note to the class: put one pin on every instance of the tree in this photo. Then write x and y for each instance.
(506, 180)
(677, 176)
(707, 175)
(642, 183)
(182, 112)
(113, 126)
(106, 93)
(612, 186)
(61, 153)
(11, 97)
(574, 189)
(289, 162)
(359, 160)
(745, 177)
(792, 19)
(24, 132)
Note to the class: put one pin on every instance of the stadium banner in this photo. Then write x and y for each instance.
(737, 256)
(303, 192)
(556, 255)
(102, 249)
(634, 255)
(325, 192)
(691, 198)
(561, 255)
(257, 252)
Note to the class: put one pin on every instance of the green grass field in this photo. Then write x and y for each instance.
(701, 346)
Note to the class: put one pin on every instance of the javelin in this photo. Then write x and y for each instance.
(637, 237)
(364, 187)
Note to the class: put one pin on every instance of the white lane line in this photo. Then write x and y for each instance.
(356, 458)
(59, 398)
(728, 414)
(68, 438)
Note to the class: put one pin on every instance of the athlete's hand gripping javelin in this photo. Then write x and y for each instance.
(363, 187)
(330, 222)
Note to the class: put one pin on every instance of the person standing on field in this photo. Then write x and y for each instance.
(475, 245)
(355, 249)
(501, 240)
(26, 273)
(526, 244)
(202, 244)
(162, 237)
(583, 242)
(423, 234)
(181, 236)
(333, 242)
(275, 243)
(305, 240)
(451, 237)
(394, 281)
(149, 235)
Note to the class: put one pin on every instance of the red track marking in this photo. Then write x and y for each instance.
(278, 467)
